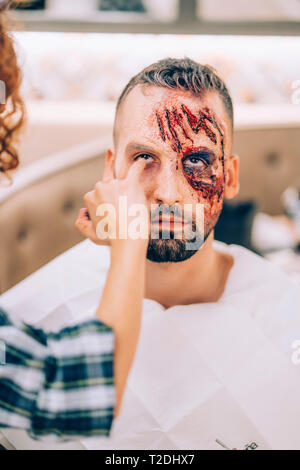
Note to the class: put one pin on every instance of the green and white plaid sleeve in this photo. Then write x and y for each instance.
(56, 386)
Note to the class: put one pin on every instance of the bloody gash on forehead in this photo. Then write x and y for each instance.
(178, 125)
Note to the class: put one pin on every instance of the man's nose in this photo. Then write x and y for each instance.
(167, 185)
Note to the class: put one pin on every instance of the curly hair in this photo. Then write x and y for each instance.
(12, 109)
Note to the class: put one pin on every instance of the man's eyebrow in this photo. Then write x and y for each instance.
(199, 150)
(136, 147)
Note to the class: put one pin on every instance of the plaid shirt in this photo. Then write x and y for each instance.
(56, 385)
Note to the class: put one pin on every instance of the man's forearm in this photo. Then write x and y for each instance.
(121, 306)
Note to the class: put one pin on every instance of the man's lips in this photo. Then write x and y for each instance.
(169, 222)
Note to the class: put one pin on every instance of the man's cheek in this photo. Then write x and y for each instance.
(208, 192)
(211, 196)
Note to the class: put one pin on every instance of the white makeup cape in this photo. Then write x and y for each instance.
(227, 371)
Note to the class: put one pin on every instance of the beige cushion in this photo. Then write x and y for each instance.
(38, 212)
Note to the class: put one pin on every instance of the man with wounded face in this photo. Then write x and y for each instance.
(215, 365)
(203, 170)
(178, 117)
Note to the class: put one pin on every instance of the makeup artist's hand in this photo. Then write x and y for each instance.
(108, 191)
(85, 226)
(122, 296)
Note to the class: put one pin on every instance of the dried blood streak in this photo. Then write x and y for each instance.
(198, 180)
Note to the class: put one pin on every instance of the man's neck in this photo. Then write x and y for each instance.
(201, 278)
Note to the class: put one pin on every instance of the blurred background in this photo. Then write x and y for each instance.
(77, 55)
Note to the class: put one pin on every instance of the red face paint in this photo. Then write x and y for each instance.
(203, 179)
(177, 125)
(198, 123)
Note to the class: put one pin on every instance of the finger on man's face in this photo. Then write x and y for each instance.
(136, 169)
(89, 200)
(107, 178)
(84, 213)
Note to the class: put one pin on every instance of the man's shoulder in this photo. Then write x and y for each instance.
(252, 272)
(251, 260)
(259, 288)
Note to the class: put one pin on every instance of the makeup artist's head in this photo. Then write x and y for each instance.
(12, 108)
(178, 116)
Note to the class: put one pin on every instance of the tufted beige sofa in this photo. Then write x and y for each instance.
(269, 163)
(37, 213)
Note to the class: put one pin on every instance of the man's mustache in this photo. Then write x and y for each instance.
(159, 210)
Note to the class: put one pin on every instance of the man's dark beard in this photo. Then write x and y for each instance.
(173, 250)
(166, 248)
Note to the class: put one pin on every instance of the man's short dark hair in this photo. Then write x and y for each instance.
(181, 74)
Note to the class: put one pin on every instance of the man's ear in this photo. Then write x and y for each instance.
(108, 173)
(232, 185)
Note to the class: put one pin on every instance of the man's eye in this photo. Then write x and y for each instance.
(146, 156)
(195, 162)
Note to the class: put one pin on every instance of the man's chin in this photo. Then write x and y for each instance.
(171, 251)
